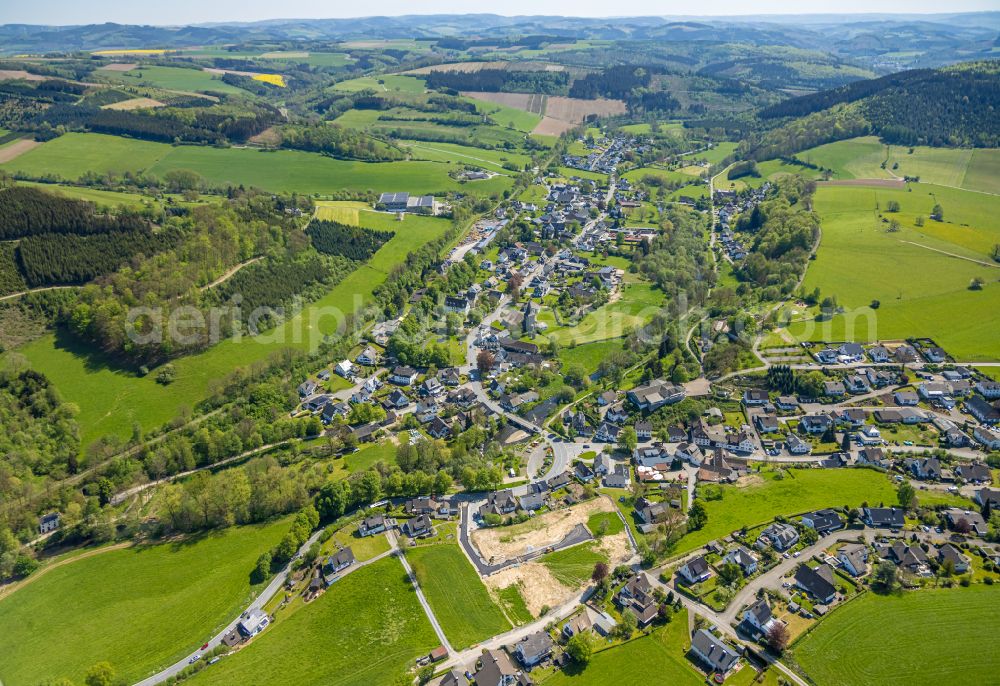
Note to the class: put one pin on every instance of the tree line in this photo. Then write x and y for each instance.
(353, 242)
(501, 81)
(28, 211)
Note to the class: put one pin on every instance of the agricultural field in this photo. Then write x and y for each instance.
(373, 608)
(111, 399)
(637, 175)
(799, 491)
(385, 83)
(637, 305)
(653, 659)
(459, 599)
(572, 567)
(718, 152)
(860, 261)
(589, 355)
(72, 155)
(862, 158)
(173, 78)
(139, 608)
(491, 160)
(917, 629)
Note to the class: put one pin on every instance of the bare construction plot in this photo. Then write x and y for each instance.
(538, 533)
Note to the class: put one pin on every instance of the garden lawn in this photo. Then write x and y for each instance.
(658, 658)
(139, 608)
(369, 455)
(459, 599)
(573, 566)
(801, 490)
(111, 399)
(365, 629)
(921, 631)
(922, 292)
(611, 522)
(589, 355)
(513, 604)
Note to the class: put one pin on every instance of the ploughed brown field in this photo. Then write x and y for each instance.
(559, 113)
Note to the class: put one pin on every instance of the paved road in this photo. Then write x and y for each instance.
(420, 593)
(259, 602)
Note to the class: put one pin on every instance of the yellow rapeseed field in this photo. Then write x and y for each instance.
(273, 79)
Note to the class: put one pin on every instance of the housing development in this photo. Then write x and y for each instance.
(470, 349)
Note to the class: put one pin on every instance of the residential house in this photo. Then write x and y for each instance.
(759, 616)
(533, 649)
(403, 376)
(607, 398)
(851, 416)
(637, 597)
(426, 410)
(905, 354)
(873, 457)
(496, 669)
(743, 558)
(960, 561)
(766, 423)
(716, 655)
(818, 582)
(754, 397)
(878, 354)
(655, 395)
(307, 388)
(988, 497)
(934, 354)
(432, 387)
(989, 438)
(255, 621)
(823, 521)
(644, 430)
(374, 524)
(48, 523)
(796, 446)
(779, 536)
(927, 468)
(695, 570)
(815, 423)
(438, 428)
(909, 558)
(450, 376)
(989, 389)
(583, 472)
(368, 357)
(856, 383)
(906, 398)
(500, 503)
(418, 527)
(787, 403)
(834, 389)
(619, 478)
(607, 433)
(336, 563)
(616, 414)
(454, 677)
(966, 521)
(533, 501)
(650, 512)
(854, 558)
(974, 472)
(982, 410)
(869, 435)
(397, 399)
(883, 517)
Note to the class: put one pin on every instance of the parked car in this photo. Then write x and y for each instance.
(194, 658)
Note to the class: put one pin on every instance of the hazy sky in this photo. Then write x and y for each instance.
(195, 11)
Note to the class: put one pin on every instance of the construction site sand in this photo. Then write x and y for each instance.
(537, 585)
(503, 543)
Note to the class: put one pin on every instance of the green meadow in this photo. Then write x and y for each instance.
(637, 175)
(387, 82)
(111, 399)
(173, 78)
(850, 647)
(637, 305)
(139, 608)
(572, 567)
(658, 658)
(456, 594)
(367, 628)
(511, 117)
(800, 490)
(921, 291)
(463, 155)
(72, 155)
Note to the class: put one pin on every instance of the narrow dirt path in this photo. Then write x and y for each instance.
(11, 296)
(230, 272)
(951, 254)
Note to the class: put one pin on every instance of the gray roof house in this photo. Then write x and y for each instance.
(716, 655)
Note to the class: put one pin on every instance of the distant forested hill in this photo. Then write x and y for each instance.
(953, 106)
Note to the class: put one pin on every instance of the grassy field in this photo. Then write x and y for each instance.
(511, 117)
(366, 629)
(493, 160)
(658, 658)
(386, 82)
(573, 566)
(459, 599)
(611, 523)
(368, 456)
(73, 154)
(637, 305)
(141, 609)
(173, 78)
(800, 490)
(122, 398)
(637, 175)
(862, 158)
(513, 604)
(916, 630)
(860, 261)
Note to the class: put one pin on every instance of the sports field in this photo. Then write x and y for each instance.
(459, 599)
(799, 491)
(917, 274)
(72, 155)
(366, 629)
(919, 638)
(139, 608)
(110, 399)
(658, 658)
